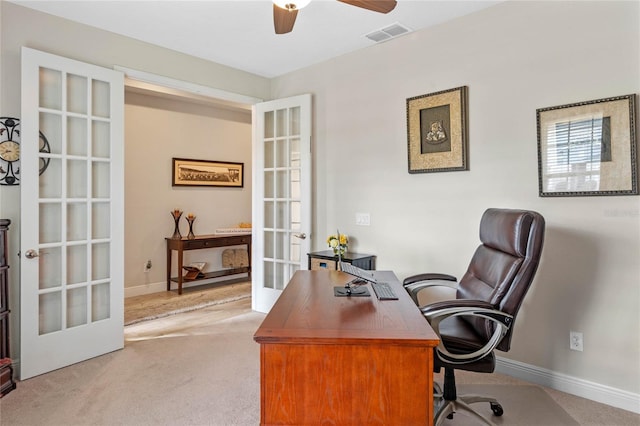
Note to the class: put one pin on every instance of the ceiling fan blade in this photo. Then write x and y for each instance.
(283, 19)
(382, 6)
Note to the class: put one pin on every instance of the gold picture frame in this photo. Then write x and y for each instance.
(437, 131)
(189, 172)
(588, 148)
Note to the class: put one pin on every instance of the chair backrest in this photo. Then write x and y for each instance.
(503, 267)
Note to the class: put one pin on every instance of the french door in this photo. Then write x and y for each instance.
(72, 212)
(281, 195)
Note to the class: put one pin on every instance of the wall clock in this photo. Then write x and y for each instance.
(10, 151)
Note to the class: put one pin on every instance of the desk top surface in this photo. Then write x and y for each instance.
(308, 312)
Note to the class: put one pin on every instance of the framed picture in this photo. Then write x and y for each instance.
(437, 131)
(588, 148)
(187, 172)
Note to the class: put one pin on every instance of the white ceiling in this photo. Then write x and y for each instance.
(240, 34)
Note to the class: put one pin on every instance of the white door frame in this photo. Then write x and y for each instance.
(154, 82)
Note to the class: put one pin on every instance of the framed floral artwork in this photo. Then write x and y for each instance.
(437, 131)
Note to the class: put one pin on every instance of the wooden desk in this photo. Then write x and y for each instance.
(344, 360)
(205, 242)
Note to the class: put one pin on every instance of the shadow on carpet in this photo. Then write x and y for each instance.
(523, 406)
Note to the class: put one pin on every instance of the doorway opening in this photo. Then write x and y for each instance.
(166, 119)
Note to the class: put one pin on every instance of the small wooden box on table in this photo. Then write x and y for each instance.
(180, 245)
(327, 260)
(344, 360)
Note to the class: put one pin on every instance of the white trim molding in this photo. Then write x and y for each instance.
(147, 81)
(143, 289)
(583, 388)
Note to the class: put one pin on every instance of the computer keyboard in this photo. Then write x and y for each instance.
(357, 272)
(383, 291)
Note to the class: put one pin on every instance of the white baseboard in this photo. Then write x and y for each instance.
(583, 388)
(139, 290)
(157, 287)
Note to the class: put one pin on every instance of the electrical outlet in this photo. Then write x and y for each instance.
(575, 341)
(147, 266)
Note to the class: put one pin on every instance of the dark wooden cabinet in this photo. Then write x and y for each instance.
(6, 370)
(327, 260)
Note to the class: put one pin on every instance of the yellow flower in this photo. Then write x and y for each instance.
(334, 243)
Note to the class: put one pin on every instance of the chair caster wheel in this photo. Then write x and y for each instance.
(497, 409)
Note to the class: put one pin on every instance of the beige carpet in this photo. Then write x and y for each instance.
(162, 304)
(196, 368)
(202, 368)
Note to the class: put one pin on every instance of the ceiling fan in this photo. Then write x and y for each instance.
(285, 11)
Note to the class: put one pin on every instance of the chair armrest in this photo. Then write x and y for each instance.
(415, 283)
(429, 276)
(439, 311)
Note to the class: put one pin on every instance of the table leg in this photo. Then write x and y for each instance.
(180, 253)
(249, 256)
(168, 268)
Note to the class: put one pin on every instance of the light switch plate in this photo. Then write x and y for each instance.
(363, 219)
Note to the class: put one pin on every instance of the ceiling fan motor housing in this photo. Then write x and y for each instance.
(285, 11)
(291, 5)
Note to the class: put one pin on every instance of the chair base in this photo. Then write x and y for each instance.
(446, 408)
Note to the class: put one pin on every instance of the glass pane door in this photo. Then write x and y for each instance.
(282, 195)
(71, 212)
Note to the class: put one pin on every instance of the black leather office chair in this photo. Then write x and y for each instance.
(488, 297)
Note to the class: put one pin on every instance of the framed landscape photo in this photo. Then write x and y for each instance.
(588, 148)
(437, 131)
(188, 172)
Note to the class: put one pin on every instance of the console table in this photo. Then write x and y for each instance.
(344, 360)
(205, 242)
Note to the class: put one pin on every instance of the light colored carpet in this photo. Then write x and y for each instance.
(162, 304)
(202, 368)
(205, 371)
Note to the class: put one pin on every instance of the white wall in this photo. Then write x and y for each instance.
(157, 130)
(514, 57)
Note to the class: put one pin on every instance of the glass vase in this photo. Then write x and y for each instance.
(339, 251)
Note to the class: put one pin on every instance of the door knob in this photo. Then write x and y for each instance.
(31, 254)
(301, 236)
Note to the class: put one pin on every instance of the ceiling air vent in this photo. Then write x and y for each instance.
(387, 33)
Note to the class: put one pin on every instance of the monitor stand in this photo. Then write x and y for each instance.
(344, 291)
